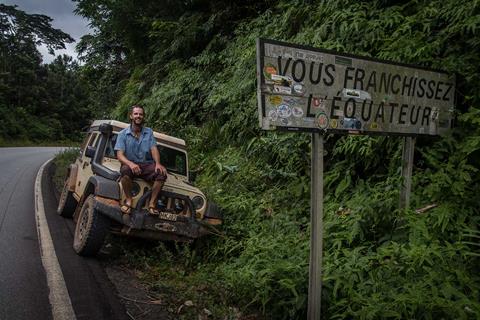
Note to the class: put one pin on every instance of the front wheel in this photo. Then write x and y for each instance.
(67, 203)
(91, 229)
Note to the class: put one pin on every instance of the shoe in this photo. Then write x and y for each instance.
(153, 211)
(125, 208)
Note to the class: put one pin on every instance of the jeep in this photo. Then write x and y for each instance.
(92, 195)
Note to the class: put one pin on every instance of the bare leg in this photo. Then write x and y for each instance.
(127, 188)
(157, 187)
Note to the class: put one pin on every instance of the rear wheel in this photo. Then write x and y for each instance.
(91, 229)
(66, 203)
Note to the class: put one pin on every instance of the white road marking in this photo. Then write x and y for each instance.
(59, 299)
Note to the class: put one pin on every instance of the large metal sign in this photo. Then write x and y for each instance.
(308, 89)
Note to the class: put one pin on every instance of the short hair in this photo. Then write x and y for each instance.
(130, 111)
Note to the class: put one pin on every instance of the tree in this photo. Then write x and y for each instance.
(38, 101)
(17, 26)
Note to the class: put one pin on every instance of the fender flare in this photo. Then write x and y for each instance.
(104, 187)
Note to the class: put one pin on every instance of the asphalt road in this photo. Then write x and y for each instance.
(23, 284)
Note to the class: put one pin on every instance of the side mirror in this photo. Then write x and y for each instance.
(90, 152)
(105, 128)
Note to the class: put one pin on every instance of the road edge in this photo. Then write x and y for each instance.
(59, 299)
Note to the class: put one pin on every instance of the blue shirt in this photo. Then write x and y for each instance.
(136, 150)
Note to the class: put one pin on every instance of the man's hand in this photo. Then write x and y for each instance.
(135, 168)
(156, 157)
(132, 165)
(160, 168)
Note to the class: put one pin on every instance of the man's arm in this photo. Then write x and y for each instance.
(156, 158)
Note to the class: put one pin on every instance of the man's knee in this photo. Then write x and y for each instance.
(126, 171)
(159, 177)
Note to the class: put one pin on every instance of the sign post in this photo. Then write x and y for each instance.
(316, 229)
(407, 168)
(320, 91)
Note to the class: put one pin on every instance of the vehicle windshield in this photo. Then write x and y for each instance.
(174, 160)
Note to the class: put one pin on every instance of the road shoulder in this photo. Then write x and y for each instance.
(92, 294)
(58, 295)
(135, 301)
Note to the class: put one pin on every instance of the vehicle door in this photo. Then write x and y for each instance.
(84, 163)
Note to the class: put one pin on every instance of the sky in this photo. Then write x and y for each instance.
(61, 11)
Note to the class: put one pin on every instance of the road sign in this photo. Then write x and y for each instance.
(307, 89)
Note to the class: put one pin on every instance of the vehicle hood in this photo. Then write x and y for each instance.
(175, 181)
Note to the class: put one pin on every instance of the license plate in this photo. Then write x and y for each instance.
(167, 216)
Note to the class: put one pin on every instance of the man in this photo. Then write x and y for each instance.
(136, 147)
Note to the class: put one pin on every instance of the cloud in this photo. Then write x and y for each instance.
(74, 25)
(48, 7)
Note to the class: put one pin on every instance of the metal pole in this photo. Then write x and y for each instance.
(316, 229)
(407, 168)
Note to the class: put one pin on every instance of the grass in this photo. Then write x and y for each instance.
(173, 274)
(61, 161)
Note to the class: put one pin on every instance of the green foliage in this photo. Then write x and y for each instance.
(196, 76)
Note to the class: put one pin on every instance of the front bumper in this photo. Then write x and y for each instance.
(166, 226)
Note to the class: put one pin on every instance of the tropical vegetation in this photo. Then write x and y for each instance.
(192, 65)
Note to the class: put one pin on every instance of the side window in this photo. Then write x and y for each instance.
(94, 140)
(89, 140)
(85, 141)
(109, 150)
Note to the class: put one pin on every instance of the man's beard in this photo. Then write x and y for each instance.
(133, 122)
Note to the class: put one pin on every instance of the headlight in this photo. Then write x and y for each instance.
(198, 202)
(135, 189)
(162, 203)
(178, 206)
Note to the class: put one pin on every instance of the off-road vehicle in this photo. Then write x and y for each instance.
(92, 194)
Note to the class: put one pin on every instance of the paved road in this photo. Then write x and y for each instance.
(23, 284)
(23, 288)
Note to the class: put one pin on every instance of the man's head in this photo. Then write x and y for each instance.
(136, 115)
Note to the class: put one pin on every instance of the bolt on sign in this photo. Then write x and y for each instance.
(307, 89)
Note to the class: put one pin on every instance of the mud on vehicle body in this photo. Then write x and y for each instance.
(92, 194)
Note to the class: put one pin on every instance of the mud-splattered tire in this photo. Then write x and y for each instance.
(91, 229)
(67, 203)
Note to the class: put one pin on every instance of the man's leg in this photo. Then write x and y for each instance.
(156, 188)
(149, 174)
(126, 182)
(127, 189)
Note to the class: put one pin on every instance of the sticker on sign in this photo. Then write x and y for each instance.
(344, 93)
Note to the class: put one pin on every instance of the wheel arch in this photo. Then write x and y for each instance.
(103, 187)
(98, 186)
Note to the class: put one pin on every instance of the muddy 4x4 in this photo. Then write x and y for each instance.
(92, 194)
